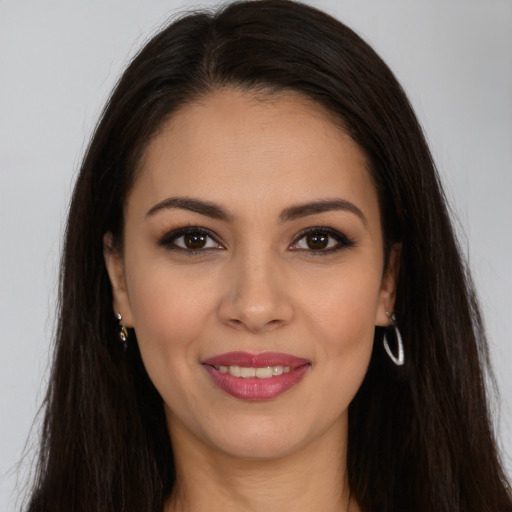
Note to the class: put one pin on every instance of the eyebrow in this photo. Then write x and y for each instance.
(215, 211)
(195, 205)
(327, 205)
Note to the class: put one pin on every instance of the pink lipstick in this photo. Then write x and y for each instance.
(256, 376)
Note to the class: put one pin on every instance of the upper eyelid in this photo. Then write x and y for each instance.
(174, 234)
(320, 229)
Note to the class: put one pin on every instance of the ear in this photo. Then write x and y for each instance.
(387, 294)
(115, 267)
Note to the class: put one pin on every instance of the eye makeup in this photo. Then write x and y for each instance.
(321, 240)
(316, 240)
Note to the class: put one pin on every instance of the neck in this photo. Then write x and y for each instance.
(312, 478)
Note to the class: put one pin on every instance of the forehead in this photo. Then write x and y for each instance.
(246, 149)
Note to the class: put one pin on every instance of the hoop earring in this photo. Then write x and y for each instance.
(400, 360)
(123, 332)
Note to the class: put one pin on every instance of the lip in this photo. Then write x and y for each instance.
(256, 388)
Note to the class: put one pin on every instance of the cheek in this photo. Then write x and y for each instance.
(343, 320)
(169, 316)
(169, 321)
(345, 307)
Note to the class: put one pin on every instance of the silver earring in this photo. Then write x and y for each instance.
(123, 332)
(400, 360)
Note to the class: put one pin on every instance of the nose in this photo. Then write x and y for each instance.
(256, 296)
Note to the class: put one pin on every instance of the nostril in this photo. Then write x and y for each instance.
(233, 322)
(255, 305)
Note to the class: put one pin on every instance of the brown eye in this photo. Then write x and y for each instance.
(321, 240)
(191, 239)
(195, 241)
(317, 241)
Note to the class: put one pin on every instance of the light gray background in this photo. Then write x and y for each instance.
(58, 62)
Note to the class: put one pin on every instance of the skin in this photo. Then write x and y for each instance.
(256, 286)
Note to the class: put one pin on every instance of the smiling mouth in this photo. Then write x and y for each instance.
(256, 376)
(246, 372)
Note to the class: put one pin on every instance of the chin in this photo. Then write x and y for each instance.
(259, 438)
(256, 445)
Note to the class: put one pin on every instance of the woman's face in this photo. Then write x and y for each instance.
(252, 272)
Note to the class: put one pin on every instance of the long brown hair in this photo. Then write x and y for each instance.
(420, 437)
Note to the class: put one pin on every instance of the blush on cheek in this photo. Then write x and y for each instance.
(350, 355)
(353, 345)
(351, 325)
(350, 333)
(166, 310)
(166, 331)
(167, 327)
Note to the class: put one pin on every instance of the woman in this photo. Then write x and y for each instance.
(259, 278)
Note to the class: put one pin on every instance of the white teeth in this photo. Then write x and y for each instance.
(246, 372)
(235, 371)
(264, 373)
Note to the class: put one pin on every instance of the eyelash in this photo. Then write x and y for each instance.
(343, 242)
(169, 240)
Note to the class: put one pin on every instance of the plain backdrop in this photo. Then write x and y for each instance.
(58, 63)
